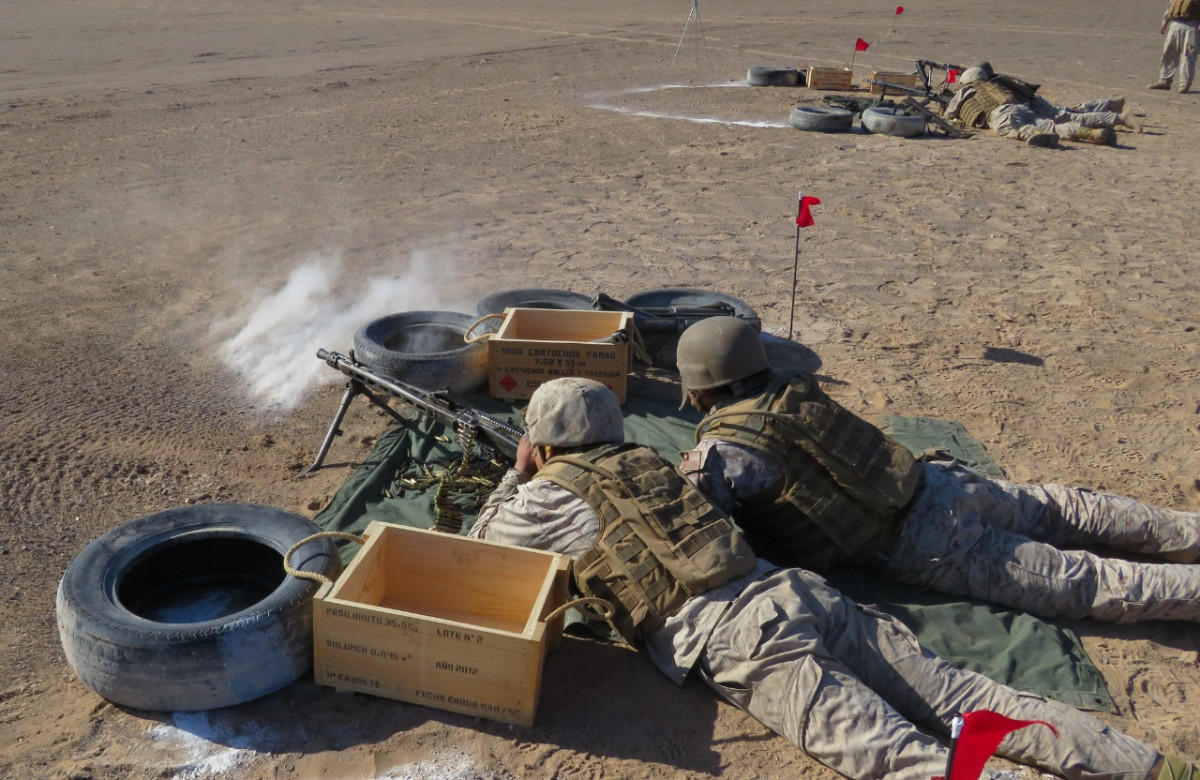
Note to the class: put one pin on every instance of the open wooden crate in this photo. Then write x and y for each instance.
(441, 620)
(534, 346)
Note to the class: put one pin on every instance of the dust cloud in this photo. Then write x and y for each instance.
(278, 333)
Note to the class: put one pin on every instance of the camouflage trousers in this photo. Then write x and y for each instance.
(1022, 120)
(1178, 61)
(852, 688)
(1020, 546)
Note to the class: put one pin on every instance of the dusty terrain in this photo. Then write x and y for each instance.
(167, 168)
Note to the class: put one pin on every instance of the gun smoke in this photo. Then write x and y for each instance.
(278, 333)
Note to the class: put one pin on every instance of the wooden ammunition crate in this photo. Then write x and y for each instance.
(441, 620)
(829, 78)
(534, 346)
(892, 77)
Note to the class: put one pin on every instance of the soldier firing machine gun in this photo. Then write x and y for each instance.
(467, 421)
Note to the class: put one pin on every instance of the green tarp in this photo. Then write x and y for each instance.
(1030, 654)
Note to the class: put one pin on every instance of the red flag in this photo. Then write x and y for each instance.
(899, 10)
(981, 734)
(861, 45)
(951, 76)
(804, 216)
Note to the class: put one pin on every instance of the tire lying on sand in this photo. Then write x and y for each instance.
(424, 348)
(821, 119)
(532, 298)
(887, 121)
(662, 339)
(191, 609)
(761, 76)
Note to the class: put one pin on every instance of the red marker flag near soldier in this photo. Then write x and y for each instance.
(899, 10)
(974, 739)
(803, 219)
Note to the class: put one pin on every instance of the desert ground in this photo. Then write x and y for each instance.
(196, 197)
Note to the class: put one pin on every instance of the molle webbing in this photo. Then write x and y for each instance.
(988, 95)
(660, 541)
(1184, 10)
(844, 481)
(973, 112)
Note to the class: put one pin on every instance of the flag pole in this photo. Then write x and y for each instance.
(796, 263)
(956, 727)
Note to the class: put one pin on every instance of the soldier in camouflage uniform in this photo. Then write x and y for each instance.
(1179, 25)
(813, 485)
(1011, 107)
(844, 683)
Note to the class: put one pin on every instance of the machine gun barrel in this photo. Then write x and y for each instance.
(503, 435)
(946, 66)
(925, 92)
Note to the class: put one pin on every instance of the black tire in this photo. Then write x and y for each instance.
(661, 339)
(190, 609)
(685, 298)
(760, 76)
(821, 119)
(887, 121)
(424, 348)
(532, 298)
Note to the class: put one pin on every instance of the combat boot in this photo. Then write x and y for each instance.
(1096, 135)
(1127, 119)
(1159, 85)
(1044, 140)
(1171, 768)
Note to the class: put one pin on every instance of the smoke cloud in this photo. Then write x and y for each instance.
(278, 333)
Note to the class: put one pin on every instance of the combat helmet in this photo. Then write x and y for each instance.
(986, 67)
(718, 351)
(973, 75)
(573, 411)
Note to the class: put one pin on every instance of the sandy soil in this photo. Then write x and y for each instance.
(196, 197)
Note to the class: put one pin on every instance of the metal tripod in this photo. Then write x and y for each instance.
(699, 26)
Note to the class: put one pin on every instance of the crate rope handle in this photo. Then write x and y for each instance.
(467, 337)
(316, 576)
(606, 608)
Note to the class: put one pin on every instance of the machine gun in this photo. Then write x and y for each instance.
(926, 88)
(467, 421)
(666, 319)
(928, 93)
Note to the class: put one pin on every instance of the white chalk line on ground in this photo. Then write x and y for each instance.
(599, 102)
(205, 746)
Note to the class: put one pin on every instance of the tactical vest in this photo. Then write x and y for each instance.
(660, 541)
(845, 479)
(988, 95)
(1184, 10)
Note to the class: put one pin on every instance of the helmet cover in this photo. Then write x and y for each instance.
(573, 411)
